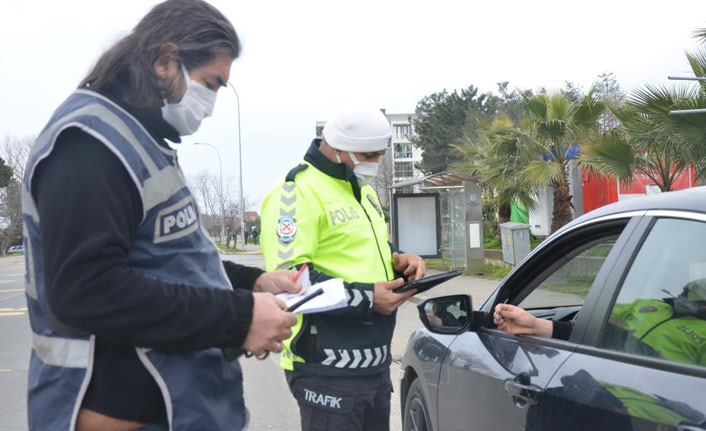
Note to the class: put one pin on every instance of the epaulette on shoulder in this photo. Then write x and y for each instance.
(293, 173)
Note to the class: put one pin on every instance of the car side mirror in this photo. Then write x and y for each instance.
(447, 314)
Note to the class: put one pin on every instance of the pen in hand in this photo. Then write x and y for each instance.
(300, 271)
(304, 300)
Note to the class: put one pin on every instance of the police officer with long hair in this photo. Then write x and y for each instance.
(129, 303)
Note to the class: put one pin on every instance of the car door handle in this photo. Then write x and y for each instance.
(527, 393)
(681, 427)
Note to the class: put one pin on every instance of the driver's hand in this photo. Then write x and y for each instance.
(515, 320)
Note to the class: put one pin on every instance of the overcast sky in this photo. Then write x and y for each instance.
(302, 59)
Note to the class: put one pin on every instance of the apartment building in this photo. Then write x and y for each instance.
(401, 166)
(405, 155)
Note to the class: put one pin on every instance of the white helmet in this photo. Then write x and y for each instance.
(358, 129)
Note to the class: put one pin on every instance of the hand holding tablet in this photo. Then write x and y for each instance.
(426, 283)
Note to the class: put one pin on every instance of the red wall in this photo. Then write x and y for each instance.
(599, 191)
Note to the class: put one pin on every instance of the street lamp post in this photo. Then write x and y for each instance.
(240, 161)
(220, 197)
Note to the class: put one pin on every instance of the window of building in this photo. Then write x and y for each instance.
(404, 169)
(403, 131)
(403, 151)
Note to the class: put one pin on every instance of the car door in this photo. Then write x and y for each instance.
(642, 363)
(490, 379)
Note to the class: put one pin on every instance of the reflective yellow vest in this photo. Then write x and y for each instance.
(316, 218)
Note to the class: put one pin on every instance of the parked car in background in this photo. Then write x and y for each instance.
(16, 249)
(631, 279)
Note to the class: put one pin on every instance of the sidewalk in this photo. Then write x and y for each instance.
(249, 249)
(253, 249)
(478, 287)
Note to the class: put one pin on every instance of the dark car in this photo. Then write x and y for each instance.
(631, 280)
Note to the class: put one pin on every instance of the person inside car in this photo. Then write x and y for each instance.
(673, 328)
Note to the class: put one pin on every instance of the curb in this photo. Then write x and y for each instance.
(416, 299)
(238, 252)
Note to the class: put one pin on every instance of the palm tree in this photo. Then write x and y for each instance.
(496, 160)
(550, 139)
(649, 140)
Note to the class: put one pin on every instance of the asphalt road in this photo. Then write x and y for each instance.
(271, 404)
(15, 342)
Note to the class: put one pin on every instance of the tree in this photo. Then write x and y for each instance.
(508, 103)
(649, 140)
(443, 118)
(494, 157)
(652, 141)
(15, 151)
(573, 92)
(550, 139)
(204, 185)
(5, 173)
(217, 204)
(608, 91)
(383, 181)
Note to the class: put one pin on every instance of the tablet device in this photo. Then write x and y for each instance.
(426, 283)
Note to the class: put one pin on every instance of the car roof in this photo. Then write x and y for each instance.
(691, 200)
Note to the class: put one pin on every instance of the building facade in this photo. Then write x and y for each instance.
(405, 155)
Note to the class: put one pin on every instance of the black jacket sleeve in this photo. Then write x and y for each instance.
(89, 212)
(241, 276)
(562, 330)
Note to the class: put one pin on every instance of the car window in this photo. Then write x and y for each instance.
(660, 310)
(569, 284)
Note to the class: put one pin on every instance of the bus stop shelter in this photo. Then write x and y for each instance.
(460, 217)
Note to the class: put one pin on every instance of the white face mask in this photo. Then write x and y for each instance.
(364, 171)
(196, 104)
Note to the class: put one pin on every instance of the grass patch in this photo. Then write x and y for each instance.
(567, 282)
(600, 250)
(492, 243)
(574, 288)
(434, 264)
(534, 242)
(496, 271)
(222, 247)
(489, 271)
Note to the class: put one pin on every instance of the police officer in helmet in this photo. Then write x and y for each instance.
(326, 215)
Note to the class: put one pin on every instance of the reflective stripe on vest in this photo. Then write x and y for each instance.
(62, 352)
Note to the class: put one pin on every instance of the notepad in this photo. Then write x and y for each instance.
(333, 298)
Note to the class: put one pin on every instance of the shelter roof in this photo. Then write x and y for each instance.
(438, 180)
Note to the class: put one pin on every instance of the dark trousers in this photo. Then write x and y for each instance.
(342, 403)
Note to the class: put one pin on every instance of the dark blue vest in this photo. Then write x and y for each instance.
(201, 390)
